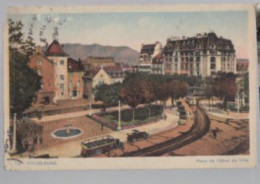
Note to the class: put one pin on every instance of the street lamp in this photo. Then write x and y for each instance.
(90, 104)
(119, 116)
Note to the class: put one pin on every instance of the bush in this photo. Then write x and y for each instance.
(244, 108)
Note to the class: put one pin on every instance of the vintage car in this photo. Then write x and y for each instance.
(179, 103)
(183, 115)
(181, 109)
(100, 145)
(136, 135)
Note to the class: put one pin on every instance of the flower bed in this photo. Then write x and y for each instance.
(110, 120)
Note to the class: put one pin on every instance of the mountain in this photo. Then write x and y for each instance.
(121, 54)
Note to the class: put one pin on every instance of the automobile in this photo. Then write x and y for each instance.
(136, 135)
(183, 115)
(181, 108)
(179, 103)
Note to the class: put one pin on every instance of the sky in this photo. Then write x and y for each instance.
(135, 29)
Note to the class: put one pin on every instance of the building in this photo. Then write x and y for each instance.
(75, 79)
(157, 65)
(44, 68)
(56, 54)
(107, 75)
(242, 66)
(203, 54)
(146, 56)
(99, 61)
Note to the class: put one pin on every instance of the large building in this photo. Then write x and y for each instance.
(98, 61)
(107, 75)
(203, 54)
(56, 54)
(75, 79)
(45, 68)
(147, 54)
(62, 77)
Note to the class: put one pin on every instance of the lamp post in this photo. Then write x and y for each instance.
(90, 104)
(119, 116)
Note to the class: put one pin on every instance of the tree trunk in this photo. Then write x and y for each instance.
(225, 104)
(209, 103)
(149, 113)
(133, 115)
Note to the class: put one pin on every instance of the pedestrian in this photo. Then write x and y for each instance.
(214, 133)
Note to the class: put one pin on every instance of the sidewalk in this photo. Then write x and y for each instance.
(222, 114)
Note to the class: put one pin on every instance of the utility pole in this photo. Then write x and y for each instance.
(119, 116)
(13, 150)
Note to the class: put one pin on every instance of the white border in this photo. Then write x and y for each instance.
(151, 162)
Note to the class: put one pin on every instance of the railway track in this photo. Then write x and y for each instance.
(200, 127)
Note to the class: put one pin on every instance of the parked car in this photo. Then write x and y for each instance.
(179, 103)
(136, 135)
(183, 115)
(181, 108)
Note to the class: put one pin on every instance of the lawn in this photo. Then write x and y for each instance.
(141, 115)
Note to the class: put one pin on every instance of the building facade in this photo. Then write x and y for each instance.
(75, 79)
(45, 68)
(146, 56)
(157, 65)
(56, 54)
(108, 75)
(99, 61)
(203, 54)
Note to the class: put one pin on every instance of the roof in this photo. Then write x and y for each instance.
(242, 64)
(157, 59)
(201, 41)
(74, 66)
(55, 49)
(148, 49)
(112, 71)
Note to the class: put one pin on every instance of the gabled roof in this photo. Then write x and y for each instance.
(74, 66)
(55, 49)
(157, 59)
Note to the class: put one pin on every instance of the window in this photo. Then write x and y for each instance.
(41, 84)
(61, 77)
(212, 63)
(61, 86)
(39, 72)
(61, 62)
(39, 61)
(100, 82)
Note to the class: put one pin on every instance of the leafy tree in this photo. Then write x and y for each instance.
(24, 82)
(163, 92)
(177, 89)
(108, 94)
(132, 93)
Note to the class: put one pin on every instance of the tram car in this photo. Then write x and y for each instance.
(100, 145)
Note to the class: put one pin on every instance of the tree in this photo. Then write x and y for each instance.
(163, 92)
(132, 93)
(177, 89)
(148, 95)
(108, 94)
(24, 82)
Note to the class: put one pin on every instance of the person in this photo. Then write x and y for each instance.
(214, 133)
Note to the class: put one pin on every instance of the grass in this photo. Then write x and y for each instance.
(141, 115)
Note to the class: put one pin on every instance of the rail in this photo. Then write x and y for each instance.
(200, 127)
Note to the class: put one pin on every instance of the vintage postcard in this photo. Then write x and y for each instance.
(130, 87)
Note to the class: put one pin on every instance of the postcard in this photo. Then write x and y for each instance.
(130, 87)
